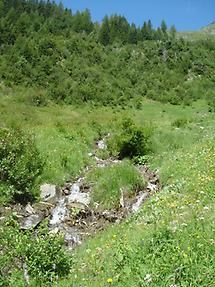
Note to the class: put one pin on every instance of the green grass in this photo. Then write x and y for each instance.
(110, 181)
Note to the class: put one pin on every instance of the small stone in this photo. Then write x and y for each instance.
(75, 188)
(101, 165)
(66, 191)
(2, 218)
(71, 235)
(148, 278)
(72, 240)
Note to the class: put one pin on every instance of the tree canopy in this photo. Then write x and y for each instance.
(45, 46)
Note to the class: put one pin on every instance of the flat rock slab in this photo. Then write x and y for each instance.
(31, 221)
(79, 197)
(48, 192)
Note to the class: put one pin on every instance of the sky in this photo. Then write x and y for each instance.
(186, 15)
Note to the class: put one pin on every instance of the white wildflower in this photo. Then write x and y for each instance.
(148, 278)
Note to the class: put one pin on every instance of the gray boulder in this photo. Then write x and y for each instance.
(31, 221)
(79, 197)
(48, 192)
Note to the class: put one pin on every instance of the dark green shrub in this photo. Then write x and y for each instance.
(20, 161)
(37, 98)
(133, 140)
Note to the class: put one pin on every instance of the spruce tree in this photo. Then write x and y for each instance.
(104, 33)
(163, 27)
(132, 37)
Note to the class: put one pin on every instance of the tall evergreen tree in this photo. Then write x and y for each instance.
(163, 27)
(132, 36)
(119, 28)
(150, 30)
(87, 24)
(104, 32)
(82, 22)
(147, 31)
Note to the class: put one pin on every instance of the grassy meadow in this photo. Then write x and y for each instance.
(170, 241)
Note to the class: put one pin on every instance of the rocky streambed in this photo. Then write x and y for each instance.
(68, 208)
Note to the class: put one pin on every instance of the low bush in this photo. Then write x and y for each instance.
(37, 98)
(43, 255)
(20, 162)
(132, 141)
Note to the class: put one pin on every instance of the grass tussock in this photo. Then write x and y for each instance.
(111, 181)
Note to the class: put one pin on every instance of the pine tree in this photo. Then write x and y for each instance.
(104, 33)
(147, 31)
(163, 27)
(150, 30)
(119, 28)
(144, 31)
(82, 22)
(132, 37)
(87, 24)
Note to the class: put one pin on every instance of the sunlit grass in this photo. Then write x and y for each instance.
(111, 182)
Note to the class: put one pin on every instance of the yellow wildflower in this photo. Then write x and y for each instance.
(110, 280)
